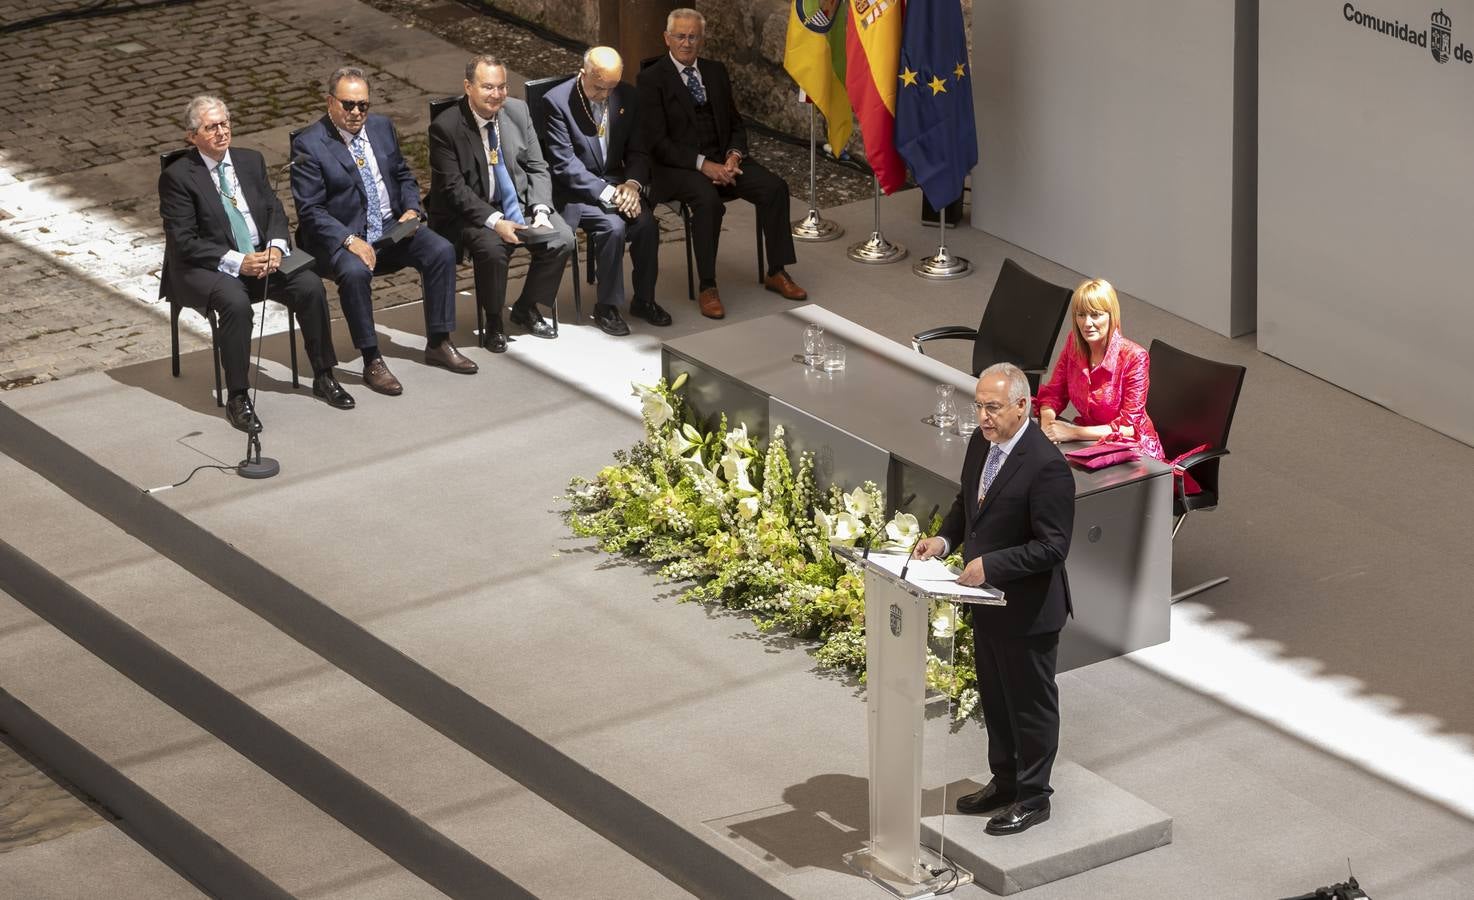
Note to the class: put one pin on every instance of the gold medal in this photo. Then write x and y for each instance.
(492, 156)
(361, 161)
(601, 129)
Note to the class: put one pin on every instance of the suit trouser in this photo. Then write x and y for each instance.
(764, 190)
(1020, 701)
(608, 232)
(430, 254)
(231, 298)
(490, 256)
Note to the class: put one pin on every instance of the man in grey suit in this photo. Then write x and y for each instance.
(488, 184)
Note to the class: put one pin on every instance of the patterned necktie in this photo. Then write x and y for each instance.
(239, 231)
(360, 149)
(506, 191)
(990, 469)
(698, 90)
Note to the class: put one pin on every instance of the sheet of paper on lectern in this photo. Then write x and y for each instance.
(929, 574)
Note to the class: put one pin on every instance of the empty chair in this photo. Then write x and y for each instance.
(1192, 402)
(1020, 324)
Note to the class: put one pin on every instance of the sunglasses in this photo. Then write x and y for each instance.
(353, 105)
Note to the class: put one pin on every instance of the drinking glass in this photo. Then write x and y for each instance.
(813, 344)
(833, 357)
(946, 410)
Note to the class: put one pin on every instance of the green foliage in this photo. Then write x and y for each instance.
(752, 534)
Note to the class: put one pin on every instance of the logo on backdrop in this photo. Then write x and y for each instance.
(1438, 37)
(895, 620)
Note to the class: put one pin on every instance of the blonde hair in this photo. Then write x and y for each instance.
(1096, 295)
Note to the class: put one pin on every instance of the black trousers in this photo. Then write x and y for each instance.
(764, 190)
(231, 298)
(490, 256)
(608, 232)
(1020, 703)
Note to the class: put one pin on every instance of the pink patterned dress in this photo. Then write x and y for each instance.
(1113, 393)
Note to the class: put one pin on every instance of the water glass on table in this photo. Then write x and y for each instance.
(813, 345)
(833, 357)
(945, 413)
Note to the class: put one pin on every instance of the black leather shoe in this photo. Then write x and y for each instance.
(1017, 818)
(495, 341)
(991, 797)
(242, 415)
(532, 319)
(328, 388)
(610, 321)
(651, 312)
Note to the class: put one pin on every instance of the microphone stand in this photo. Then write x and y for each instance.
(256, 466)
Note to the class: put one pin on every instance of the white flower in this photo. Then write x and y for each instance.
(655, 409)
(840, 528)
(684, 440)
(747, 507)
(903, 530)
(734, 470)
(737, 440)
(859, 502)
(944, 624)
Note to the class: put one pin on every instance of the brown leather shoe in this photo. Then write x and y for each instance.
(711, 304)
(780, 283)
(447, 356)
(380, 380)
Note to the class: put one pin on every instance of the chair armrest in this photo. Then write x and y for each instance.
(1201, 456)
(943, 333)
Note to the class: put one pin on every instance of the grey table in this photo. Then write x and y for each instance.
(864, 424)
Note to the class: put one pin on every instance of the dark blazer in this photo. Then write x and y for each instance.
(331, 202)
(460, 178)
(1022, 532)
(579, 166)
(668, 113)
(196, 229)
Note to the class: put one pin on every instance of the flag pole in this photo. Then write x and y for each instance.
(877, 250)
(814, 227)
(942, 266)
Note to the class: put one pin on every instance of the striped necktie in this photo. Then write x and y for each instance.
(990, 469)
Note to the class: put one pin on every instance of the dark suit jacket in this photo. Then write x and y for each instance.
(668, 114)
(331, 202)
(1022, 532)
(580, 168)
(460, 178)
(196, 229)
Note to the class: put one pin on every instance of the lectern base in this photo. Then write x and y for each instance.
(920, 884)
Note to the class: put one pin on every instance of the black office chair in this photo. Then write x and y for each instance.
(685, 213)
(1191, 403)
(176, 307)
(533, 93)
(1020, 324)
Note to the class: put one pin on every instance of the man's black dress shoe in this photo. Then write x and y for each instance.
(610, 321)
(242, 415)
(532, 319)
(328, 388)
(651, 312)
(495, 341)
(991, 797)
(1017, 818)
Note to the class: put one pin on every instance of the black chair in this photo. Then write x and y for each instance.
(1019, 325)
(684, 212)
(176, 307)
(439, 106)
(1192, 402)
(533, 93)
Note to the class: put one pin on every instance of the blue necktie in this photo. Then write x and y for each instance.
(698, 91)
(506, 191)
(370, 190)
(990, 469)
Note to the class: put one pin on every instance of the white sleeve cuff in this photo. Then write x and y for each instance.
(607, 194)
(230, 263)
(700, 161)
(492, 219)
(280, 245)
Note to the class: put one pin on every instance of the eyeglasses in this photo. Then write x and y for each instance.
(215, 127)
(991, 410)
(684, 38)
(352, 105)
(494, 88)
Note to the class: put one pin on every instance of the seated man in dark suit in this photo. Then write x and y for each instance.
(351, 186)
(590, 130)
(225, 234)
(699, 145)
(488, 183)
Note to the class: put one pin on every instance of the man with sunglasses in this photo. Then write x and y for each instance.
(1013, 518)
(225, 236)
(352, 186)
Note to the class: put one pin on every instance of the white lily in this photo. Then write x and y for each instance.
(737, 440)
(655, 409)
(684, 440)
(903, 530)
(845, 528)
(734, 470)
(859, 502)
(747, 507)
(944, 625)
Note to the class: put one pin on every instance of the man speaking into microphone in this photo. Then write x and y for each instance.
(225, 235)
(1013, 517)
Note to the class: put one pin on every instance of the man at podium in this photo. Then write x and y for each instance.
(1013, 517)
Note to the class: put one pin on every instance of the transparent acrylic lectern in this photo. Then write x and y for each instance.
(899, 623)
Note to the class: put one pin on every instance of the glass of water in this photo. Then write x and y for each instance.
(813, 344)
(945, 414)
(833, 357)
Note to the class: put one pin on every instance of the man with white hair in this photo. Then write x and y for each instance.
(591, 136)
(1013, 518)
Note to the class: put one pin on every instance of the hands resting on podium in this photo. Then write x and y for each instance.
(972, 574)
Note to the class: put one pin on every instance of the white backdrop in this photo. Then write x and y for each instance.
(1366, 205)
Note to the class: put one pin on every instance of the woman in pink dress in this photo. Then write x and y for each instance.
(1102, 374)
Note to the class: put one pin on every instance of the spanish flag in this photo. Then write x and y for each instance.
(815, 56)
(873, 42)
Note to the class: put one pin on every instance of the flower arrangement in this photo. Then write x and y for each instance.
(752, 534)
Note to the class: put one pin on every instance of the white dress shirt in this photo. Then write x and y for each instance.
(230, 263)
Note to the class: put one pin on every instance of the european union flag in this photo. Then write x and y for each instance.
(935, 131)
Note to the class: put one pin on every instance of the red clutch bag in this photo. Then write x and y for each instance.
(1100, 456)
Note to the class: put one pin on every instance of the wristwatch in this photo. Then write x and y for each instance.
(348, 240)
